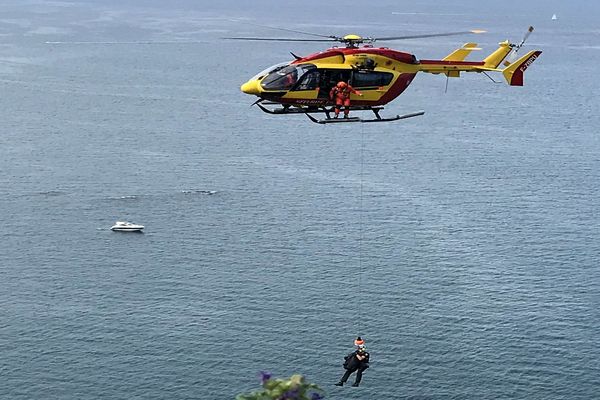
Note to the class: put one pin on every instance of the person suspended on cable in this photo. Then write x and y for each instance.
(340, 93)
(357, 361)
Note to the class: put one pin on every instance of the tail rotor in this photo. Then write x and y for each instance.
(513, 55)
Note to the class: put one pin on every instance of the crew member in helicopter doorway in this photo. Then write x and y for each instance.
(340, 93)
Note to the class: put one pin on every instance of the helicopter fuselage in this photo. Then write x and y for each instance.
(381, 74)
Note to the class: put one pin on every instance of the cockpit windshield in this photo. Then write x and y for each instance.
(285, 78)
(272, 68)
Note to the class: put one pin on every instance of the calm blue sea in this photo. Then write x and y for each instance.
(471, 267)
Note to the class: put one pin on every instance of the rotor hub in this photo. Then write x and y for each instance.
(353, 40)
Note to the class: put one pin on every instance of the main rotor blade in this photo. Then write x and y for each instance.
(286, 29)
(428, 35)
(280, 39)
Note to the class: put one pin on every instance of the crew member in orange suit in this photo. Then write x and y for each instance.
(341, 94)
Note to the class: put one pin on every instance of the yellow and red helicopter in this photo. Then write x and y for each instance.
(302, 86)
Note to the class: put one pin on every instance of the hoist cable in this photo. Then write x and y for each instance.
(361, 231)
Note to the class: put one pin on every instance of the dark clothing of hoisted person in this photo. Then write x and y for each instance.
(357, 361)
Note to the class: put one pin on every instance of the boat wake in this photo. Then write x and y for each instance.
(199, 191)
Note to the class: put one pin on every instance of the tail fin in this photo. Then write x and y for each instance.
(462, 53)
(494, 59)
(514, 72)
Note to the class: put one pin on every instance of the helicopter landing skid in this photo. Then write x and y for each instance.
(329, 120)
(307, 110)
(287, 110)
(310, 109)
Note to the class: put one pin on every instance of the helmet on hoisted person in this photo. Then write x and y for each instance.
(341, 84)
(359, 342)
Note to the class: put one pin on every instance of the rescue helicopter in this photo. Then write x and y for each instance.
(302, 86)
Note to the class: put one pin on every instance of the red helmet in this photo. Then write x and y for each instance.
(342, 84)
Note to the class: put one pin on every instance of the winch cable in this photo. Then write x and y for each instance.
(361, 231)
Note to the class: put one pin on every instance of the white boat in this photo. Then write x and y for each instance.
(124, 226)
(554, 17)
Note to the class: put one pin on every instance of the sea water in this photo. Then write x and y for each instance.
(463, 244)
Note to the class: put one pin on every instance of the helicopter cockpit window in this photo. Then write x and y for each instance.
(286, 78)
(367, 79)
(310, 81)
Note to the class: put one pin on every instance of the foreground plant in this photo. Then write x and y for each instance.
(294, 388)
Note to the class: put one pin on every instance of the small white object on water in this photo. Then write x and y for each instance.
(124, 226)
